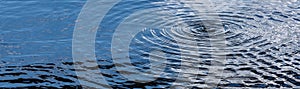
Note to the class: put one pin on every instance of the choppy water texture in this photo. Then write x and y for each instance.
(262, 43)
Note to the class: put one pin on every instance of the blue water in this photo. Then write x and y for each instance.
(262, 44)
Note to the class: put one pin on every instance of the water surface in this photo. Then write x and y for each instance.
(262, 43)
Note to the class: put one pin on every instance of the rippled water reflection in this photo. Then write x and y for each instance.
(262, 44)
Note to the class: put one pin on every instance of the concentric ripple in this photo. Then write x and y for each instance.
(250, 29)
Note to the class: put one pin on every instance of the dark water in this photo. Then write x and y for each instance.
(261, 38)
